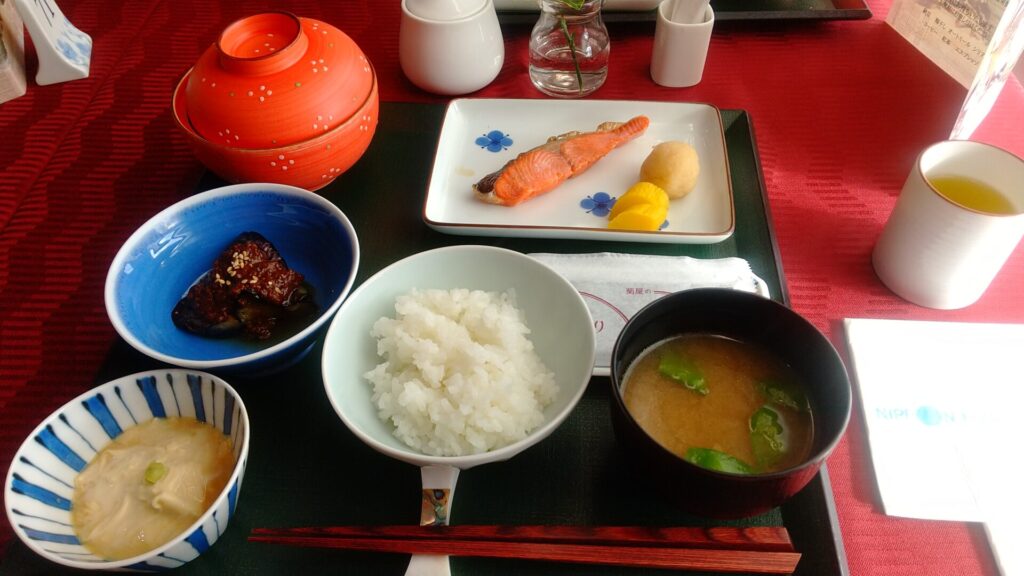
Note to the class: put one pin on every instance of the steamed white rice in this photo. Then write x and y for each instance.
(460, 375)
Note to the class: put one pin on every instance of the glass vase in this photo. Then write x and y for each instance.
(569, 49)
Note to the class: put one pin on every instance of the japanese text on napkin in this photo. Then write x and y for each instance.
(616, 286)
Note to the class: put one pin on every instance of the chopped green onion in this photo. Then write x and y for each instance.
(154, 472)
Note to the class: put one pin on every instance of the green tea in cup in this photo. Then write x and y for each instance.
(973, 194)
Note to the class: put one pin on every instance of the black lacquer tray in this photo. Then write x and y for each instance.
(306, 469)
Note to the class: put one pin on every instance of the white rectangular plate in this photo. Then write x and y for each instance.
(612, 5)
(480, 135)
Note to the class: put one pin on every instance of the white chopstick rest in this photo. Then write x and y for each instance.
(64, 51)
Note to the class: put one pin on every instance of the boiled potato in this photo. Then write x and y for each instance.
(673, 166)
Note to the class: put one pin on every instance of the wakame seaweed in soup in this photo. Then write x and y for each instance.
(720, 403)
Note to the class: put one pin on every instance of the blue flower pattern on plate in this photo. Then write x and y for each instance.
(494, 141)
(600, 204)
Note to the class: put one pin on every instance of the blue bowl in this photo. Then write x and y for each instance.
(39, 486)
(165, 256)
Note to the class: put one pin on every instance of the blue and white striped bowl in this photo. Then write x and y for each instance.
(40, 483)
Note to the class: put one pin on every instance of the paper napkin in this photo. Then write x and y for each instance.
(616, 286)
(943, 405)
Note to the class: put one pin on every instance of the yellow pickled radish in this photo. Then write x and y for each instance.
(640, 193)
(639, 217)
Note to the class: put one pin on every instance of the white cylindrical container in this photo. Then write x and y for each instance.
(943, 253)
(454, 51)
(680, 48)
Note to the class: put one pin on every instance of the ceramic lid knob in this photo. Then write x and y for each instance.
(274, 79)
(443, 9)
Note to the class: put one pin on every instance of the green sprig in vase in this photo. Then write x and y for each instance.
(569, 48)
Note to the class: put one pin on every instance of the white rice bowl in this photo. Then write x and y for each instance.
(459, 374)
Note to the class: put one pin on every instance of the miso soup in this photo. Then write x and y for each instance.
(720, 403)
(148, 485)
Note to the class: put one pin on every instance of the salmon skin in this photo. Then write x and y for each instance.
(543, 168)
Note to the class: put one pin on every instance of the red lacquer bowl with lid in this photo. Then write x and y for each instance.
(275, 79)
(310, 164)
(279, 98)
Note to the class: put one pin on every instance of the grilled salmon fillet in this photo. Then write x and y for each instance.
(543, 168)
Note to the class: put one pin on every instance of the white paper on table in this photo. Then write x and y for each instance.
(942, 405)
(616, 286)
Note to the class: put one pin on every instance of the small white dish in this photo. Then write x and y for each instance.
(480, 135)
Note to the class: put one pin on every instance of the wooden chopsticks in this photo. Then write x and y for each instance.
(763, 550)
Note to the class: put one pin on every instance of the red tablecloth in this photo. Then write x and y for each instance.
(840, 109)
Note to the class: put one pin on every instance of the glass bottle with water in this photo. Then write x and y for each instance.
(569, 49)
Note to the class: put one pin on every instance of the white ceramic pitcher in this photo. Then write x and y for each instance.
(450, 47)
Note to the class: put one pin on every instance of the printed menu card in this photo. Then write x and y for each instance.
(943, 405)
(977, 42)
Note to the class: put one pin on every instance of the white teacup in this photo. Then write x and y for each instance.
(450, 48)
(942, 250)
